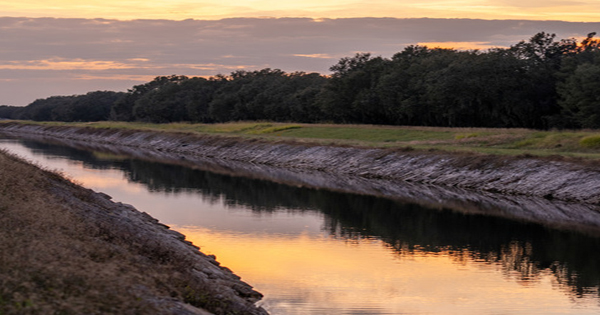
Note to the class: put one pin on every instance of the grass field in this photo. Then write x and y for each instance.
(568, 143)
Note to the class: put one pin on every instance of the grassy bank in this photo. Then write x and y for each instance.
(580, 143)
(65, 250)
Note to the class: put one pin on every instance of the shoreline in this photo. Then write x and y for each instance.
(462, 184)
(553, 180)
(99, 246)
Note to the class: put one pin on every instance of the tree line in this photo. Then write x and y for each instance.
(93, 106)
(540, 83)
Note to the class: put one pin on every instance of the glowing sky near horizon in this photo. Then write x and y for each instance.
(564, 10)
(67, 47)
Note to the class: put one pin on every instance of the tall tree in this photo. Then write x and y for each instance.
(544, 56)
(122, 109)
(580, 98)
(351, 93)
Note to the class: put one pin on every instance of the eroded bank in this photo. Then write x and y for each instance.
(556, 193)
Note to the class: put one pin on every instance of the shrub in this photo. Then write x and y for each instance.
(590, 142)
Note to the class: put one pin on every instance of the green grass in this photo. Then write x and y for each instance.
(570, 143)
(592, 142)
(370, 134)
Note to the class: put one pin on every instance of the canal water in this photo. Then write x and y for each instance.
(313, 251)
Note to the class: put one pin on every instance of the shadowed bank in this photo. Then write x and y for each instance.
(528, 253)
(69, 250)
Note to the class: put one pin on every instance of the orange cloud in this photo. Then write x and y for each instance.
(58, 64)
(317, 56)
(64, 64)
(458, 45)
(582, 10)
(115, 77)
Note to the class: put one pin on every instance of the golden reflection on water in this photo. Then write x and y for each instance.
(301, 269)
(311, 274)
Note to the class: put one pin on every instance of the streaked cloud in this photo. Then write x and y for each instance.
(459, 45)
(40, 57)
(62, 64)
(566, 10)
(318, 56)
(115, 77)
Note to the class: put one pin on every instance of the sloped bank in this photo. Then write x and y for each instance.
(67, 249)
(507, 175)
(580, 217)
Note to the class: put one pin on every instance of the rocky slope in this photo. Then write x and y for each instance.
(523, 176)
(549, 192)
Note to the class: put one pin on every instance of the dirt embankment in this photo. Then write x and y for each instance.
(553, 193)
(558, 180)
(65, 249)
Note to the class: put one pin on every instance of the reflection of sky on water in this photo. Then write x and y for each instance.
(303, 266)
(184, 208)
(320, 274)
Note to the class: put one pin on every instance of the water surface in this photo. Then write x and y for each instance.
(319, 252)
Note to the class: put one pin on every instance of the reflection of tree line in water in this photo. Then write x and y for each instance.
(527, 249)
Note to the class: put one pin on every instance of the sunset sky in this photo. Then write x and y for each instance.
(72, 47)
(566, 10)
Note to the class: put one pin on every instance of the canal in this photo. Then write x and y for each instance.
(314, 251)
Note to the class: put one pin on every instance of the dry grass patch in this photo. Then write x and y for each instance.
(54, 259)
(49, 261)
(591, 142)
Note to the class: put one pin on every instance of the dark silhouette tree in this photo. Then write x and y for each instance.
(123, 108)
